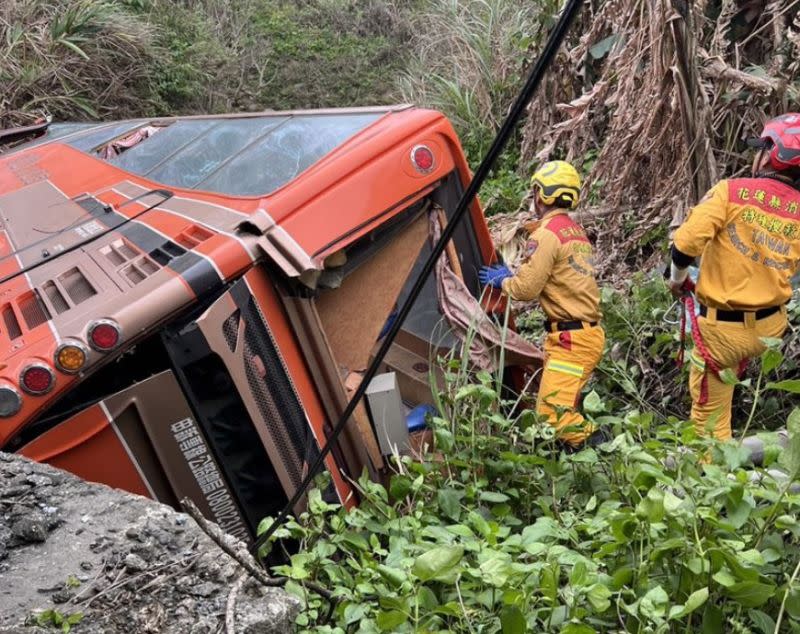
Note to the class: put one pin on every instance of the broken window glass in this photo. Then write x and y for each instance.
(101, 135)
(211, 151)
(284, 153)
(146, 156)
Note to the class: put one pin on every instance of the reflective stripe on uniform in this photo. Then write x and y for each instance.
(697, 361)
(565, 367)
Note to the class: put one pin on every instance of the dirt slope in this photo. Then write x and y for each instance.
(125, 563)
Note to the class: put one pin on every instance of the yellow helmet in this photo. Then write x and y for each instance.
(557, 183)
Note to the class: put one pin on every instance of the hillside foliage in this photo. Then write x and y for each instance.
(497, 530)
(107, 59)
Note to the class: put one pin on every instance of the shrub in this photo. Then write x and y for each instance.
(497, 531)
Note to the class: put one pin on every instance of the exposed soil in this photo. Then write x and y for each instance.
(127, 564)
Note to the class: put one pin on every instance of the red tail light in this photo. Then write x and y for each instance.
(37, 378)
(423, 159)
(104, 335)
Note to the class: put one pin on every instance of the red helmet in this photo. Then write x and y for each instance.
(781, 136)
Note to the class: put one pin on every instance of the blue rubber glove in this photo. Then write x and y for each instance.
(494, 275)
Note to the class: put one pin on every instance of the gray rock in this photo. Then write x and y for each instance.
(62, 596)
(258, 613)
(16, 491)
(39, 480)
(30, 529)
(134, 534)
(134, 563)
(204, 589)
(144, 567)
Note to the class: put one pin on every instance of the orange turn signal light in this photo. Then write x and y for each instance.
(71, 356)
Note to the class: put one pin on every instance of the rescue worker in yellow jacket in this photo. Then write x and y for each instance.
(559, 272)
(747, 233)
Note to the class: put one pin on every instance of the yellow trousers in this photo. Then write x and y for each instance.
(570, 358)
(728, 343)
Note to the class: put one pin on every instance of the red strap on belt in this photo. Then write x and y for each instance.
(689, 306)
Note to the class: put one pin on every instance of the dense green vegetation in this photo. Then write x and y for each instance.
(120, 58)
(497, 530)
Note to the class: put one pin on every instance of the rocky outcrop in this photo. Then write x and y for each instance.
(117, 562)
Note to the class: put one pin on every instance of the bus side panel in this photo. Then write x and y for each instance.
(270, 306)
(90, 446)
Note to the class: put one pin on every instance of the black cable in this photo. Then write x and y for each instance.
(525, 96)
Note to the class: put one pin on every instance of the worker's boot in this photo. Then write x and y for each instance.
(598, 437)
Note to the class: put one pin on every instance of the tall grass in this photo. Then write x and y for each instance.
(88, 59)
(468, 61)
(80, 59)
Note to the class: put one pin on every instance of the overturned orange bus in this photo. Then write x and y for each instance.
(186, 300)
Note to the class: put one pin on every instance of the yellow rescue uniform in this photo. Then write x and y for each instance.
(748, 234)
(559, 272)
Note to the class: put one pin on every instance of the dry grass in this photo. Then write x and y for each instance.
(653, 100)
(664, 112)
(468, 61)
(79, 59)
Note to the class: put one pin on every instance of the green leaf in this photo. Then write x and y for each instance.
(577, 628)
(512, 621)
(461, 530)
(671, 502)
(789, 385)
(654, 604)
(545, 529)
(622, 577)
(75, 618)
(493, 497)
(578, 576)
(78, 50)
(599, 596)
(262, 528)
(652, 506)
(426, 598)
(393, 576)
(728, 377)
(738, 514)
(437, 562)
(735, 456)
(793, 602)
(44, 618)
(479, 524)
(772, 343)
(790, 456)
(695, 600)
(762, 621)
(444, 439)
(450, 502)
(399, 487)
(298, 570)
(712, 619)
(593, 403)
(354, 612)
(496, 570)
(390, 621)
(751, 594)
(770, 360)
(725, 578)
(359, 542)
